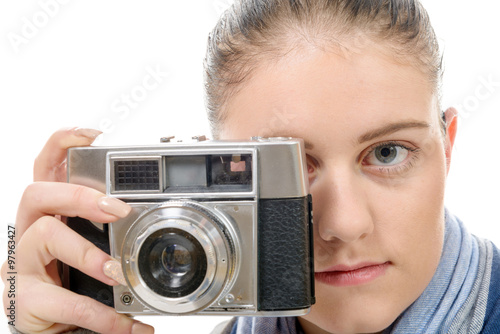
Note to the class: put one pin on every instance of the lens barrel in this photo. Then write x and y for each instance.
(178, 257)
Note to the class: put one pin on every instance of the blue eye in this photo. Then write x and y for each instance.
(387, 155)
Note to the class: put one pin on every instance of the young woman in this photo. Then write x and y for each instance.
(359, 82)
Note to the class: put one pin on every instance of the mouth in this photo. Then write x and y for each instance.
(343, 275)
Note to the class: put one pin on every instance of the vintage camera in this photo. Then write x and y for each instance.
(216, 227)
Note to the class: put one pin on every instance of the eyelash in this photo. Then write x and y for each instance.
(407, 164)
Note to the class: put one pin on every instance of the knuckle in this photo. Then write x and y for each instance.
(82, 196)
(115, 325)
(24, 295)
(31, 193)
(37, 163)
(80, 313)
(44, 228)
(79, 194)
(87, 254)
(4, 271)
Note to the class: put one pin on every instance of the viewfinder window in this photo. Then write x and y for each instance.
(232, 169)
(185, 171)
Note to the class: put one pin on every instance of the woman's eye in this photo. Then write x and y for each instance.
(387, 155)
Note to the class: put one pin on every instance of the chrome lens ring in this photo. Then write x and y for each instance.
(205, 227)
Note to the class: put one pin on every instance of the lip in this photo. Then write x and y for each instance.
(345, 275)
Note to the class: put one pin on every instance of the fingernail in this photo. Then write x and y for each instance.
(113, 269)
(88, 133)
(140, 328)
(114, 206)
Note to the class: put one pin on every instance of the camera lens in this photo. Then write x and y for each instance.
(176, 260)
(179, 256)
(172, 262)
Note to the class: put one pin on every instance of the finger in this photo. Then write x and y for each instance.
(6, 271)
(49, 165)
(66, 307)
(49, 239)
(71, 200)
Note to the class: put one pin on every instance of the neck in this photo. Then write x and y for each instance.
(310, 328)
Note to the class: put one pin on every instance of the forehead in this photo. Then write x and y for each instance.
(328, 90)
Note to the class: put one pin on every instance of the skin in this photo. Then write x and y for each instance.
(391, 214)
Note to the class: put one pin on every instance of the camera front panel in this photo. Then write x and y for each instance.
(156, 285)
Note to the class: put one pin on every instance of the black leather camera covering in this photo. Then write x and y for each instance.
(79, 282)
(286, 267)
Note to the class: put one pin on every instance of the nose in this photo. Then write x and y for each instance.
(341, 207)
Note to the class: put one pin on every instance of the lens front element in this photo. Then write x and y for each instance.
(177, 260)
(172, 263)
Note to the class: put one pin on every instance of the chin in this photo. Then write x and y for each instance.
(348, 317)
(325, 325)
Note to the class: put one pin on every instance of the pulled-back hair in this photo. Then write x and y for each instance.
(252, 31)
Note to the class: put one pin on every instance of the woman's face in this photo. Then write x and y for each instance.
(377, 168)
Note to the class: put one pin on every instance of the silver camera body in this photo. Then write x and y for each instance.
(216, 227)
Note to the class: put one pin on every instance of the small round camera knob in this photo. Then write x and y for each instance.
(166, 139)
(199, 138)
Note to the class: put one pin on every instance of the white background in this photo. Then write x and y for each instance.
(74, 67)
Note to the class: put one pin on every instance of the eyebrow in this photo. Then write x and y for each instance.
(391, 128)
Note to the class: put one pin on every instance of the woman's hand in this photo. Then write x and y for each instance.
(42, 304)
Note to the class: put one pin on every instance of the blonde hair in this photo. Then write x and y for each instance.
(252, 31)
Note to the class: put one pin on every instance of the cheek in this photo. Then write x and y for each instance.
(410, 221)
